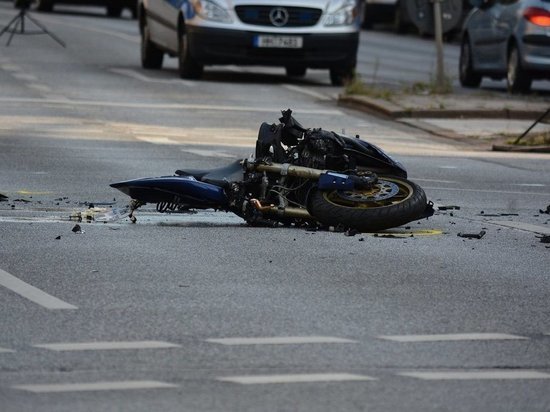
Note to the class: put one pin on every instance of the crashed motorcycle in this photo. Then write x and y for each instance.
(298, 177)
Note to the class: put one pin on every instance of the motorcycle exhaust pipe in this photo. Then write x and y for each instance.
(286, 169)
(281, 211)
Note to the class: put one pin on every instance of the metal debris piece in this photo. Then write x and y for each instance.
(497, 214)
(472, 235)
(451, 207)
(545, 239)
(3, 198)
(58, 237)
(77, 229)
(547, 211)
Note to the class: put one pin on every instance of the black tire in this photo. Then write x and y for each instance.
(341, 75)
(369, 211)
(44, 5)
(517, 80)
(400, 26)
(151, 55)
(188, 67)
(468, 77)
(296, 71)
(114, 11)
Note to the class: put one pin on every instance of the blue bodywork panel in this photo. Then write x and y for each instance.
(174, 189)
(334, 181)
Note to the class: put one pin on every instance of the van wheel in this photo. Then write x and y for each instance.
(341, 75)
(114, 11)
(44, 5)
(296, 71)
(151, 55)
(188, 67)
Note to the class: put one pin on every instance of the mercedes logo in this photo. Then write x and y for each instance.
(278, 16)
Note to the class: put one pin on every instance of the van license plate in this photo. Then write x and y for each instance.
(281, 42)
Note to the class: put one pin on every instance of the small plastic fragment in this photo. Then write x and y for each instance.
(472, 235)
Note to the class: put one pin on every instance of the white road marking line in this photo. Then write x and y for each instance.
(10, 67)
(31, 293)
(40, 87)
(285, 340)
(522, 226)
(94, 386)
(209, 153)
(448, 167)
(296, 378)
(478, 375)
(529, 184)
(25, 76)
(4, 350)
(451, 337)
(82, 346)
(157, 140)
(138, 76)
(166, 106)
(435, 180)
(306, 91)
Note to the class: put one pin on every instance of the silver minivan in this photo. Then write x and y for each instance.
(295, 34)
(506, 38)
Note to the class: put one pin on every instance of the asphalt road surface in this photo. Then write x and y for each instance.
(202, 313)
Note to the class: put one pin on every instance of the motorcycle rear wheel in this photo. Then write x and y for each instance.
(391, 202)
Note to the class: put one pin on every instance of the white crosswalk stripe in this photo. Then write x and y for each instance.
(83, 346)
(94, 386)
(295, 378)
(451, 337)
(282, 340)
(497, 374)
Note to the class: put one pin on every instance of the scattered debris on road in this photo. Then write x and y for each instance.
(450, 207)
(472, 235)
(544, 239)
(77, 229)
(547, 211)
(3, 198)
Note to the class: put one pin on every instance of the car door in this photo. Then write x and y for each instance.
(483, 35)
(505, 23)
(163, 19)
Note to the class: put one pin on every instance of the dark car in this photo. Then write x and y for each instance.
(114, 7)
(506, 39)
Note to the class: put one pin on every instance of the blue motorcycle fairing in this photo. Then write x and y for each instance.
(220, 176)
(184, 190)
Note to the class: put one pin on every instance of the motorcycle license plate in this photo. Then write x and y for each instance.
(279, 42)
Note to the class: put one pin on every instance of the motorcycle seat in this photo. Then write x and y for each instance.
(220, 176)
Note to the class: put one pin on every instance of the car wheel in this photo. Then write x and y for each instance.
(341, 75)
(114, 11)
(468, 77)
(518, 81)
(188, 67)
(399, 24)
(151, 55)
(44, 5)
(296, 71)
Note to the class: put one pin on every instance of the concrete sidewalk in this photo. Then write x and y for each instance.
(483, 117)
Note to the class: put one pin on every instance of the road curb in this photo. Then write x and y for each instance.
(413, 118)
(522, 149)
(392, 110)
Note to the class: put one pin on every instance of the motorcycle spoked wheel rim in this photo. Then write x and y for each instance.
(383, 194)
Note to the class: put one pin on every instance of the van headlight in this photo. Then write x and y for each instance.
(210, 10)
(342, 13)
